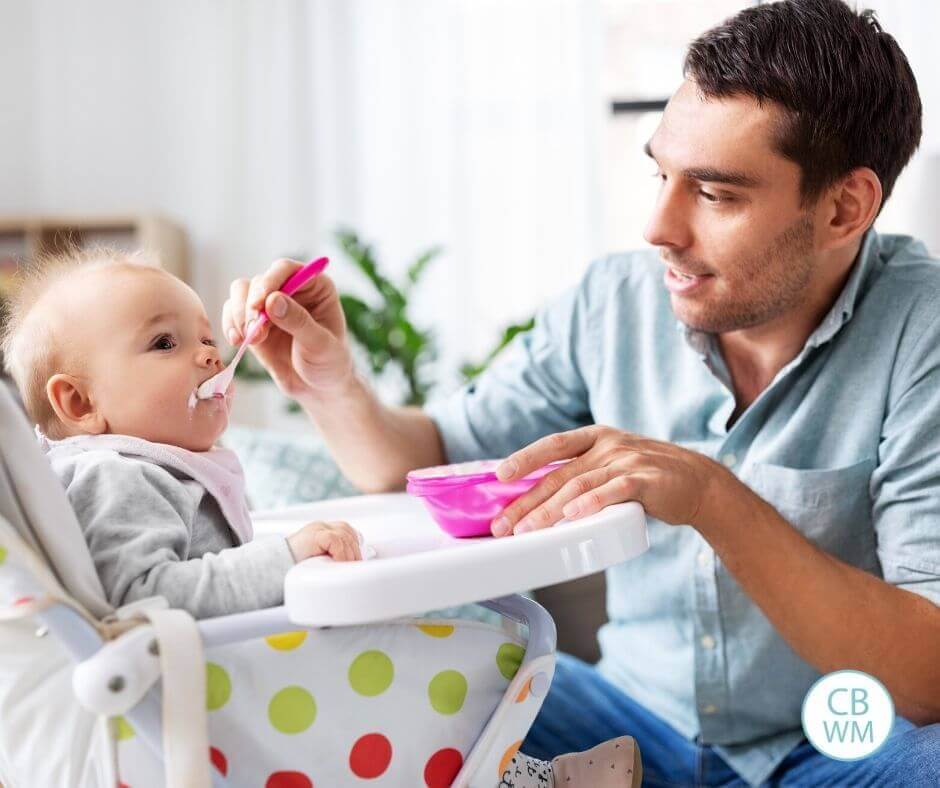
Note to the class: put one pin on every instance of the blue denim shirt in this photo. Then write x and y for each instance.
(845, 443)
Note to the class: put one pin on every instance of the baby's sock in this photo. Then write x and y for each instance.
(526, 772)
(611, 764)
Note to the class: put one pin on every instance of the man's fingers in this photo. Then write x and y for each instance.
(263, 284)
(581, 487)
(552, 510)
(560, 446)
(622, 487)
(285, 313)
(233, 313)
(547, 487)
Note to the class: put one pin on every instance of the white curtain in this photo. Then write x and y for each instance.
(261, 126)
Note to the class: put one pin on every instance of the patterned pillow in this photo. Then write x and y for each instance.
(283, 469)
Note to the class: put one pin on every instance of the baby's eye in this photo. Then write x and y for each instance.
(209, 342)
(163, 342)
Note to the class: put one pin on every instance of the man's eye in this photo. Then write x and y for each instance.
(709, 197)
(163, 342)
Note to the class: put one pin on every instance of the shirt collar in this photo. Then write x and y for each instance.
(839, 314)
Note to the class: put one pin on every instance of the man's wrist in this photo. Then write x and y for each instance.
(322, 399)
(726, 501)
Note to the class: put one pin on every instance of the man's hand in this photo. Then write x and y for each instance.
(304, 344)
(609, 466)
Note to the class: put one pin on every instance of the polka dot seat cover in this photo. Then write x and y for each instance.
(398, 704)
(402, 703)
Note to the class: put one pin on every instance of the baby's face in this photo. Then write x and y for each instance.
(144, 344)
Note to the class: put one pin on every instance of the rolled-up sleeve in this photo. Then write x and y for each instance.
(534, 388)
(906, 484)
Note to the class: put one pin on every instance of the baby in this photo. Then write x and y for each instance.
(106, 350)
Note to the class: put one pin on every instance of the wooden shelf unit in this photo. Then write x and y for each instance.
(24, 237)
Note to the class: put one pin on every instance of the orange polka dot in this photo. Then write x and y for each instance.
(524, 692)
(507, 757)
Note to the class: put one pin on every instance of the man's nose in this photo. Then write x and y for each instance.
(668, 226)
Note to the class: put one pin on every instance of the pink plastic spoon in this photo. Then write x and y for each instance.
(217, 385)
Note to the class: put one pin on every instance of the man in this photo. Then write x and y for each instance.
(785, 441)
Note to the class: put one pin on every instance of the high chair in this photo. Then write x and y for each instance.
(347, 683)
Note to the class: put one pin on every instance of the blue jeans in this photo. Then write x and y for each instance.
(583, 709)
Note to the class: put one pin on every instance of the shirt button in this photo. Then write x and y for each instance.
(709, 709)
(708, 641)
(729, 460)
(703, 558)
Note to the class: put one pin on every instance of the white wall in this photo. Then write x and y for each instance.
(261, 126)
(914, 207)
(18, 103)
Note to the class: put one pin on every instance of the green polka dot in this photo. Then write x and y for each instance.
(447, 691)
(508, 659)
(371, 673)
(292, 710)
(3, 554)
(218, 686)
(122, 729)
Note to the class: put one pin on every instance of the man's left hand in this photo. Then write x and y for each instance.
(609, 466)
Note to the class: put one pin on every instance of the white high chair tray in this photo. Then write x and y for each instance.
(413, 566)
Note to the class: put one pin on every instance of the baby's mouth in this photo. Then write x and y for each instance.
(195, 399)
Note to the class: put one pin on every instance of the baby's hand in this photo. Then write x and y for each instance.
(338, 540)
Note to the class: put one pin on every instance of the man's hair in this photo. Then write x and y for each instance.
(848, 93)
(31, 352)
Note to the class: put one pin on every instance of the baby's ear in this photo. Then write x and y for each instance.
(71, 402)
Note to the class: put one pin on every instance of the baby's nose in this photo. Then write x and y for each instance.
(209, 358)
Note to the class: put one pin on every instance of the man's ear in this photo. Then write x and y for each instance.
(851, 206)
(70, 399)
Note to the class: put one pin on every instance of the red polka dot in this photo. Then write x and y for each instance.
(442, 768)
(218, 760)
(370, 756)
(23, 600)
(289, 780)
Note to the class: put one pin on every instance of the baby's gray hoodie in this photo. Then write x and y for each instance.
(154, 529)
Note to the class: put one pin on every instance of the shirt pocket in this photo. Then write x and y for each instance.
(831, 507)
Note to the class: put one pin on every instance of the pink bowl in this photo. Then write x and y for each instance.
(465, 498)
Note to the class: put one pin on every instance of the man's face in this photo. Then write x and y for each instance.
(738, 247)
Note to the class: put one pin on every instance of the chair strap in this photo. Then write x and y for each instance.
(185, 723)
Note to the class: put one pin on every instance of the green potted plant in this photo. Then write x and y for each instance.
(382, 327)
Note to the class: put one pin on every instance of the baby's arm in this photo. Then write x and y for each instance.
(137, 519)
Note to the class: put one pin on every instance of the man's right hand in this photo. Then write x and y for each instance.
(303, 346)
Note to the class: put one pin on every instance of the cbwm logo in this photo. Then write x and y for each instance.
(847, 715)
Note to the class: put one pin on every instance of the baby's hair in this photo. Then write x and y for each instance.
(30, 352)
